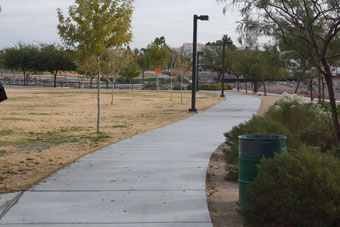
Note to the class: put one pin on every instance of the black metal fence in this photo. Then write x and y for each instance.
(68, 84)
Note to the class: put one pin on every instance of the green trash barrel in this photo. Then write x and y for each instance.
(252, 148)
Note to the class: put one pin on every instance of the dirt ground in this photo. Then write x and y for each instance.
(223, 195)
(42, 130)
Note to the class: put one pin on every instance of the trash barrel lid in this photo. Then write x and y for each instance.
(262, 137)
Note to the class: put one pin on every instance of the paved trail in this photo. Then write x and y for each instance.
(156, 179)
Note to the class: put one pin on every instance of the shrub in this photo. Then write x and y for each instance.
(178, 87)
(311, 122)
(256, 125)
(151, 86)
(295, 189)
(211, 87)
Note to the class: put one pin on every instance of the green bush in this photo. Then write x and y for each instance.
(295, 189)
(178, 88)
(311, 122)
(211, 87)
(256, 125)
(151, 86)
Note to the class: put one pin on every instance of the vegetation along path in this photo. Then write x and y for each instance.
(153, 179)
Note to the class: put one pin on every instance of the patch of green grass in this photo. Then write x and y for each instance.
(39, 114)
(2, 178)
(15, 119)
(6, 132)
(13, 143)
(2, 152)
(55, 137)
(119, 126)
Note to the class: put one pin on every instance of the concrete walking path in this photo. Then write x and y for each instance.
(154, 179)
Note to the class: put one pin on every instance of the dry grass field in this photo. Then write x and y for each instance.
(42, 130)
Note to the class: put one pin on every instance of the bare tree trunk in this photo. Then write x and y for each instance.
(98, 97)
(112, 95)
(297, 87)
(182, 90)
(238, 83)
(143, 73)
(55, 79)
(24, 78)
(219, 75)
(319, 87)
(264, 88)
(311, 90)
(91, 82)
(332, 100)
(171, 87)
(112, 91)
(157, 81)
(323, 89)
(83, 83)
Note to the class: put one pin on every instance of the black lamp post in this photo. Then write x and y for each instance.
(223, 58)
(194, 59)
(197, 72)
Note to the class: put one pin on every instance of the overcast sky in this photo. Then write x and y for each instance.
(36, 20)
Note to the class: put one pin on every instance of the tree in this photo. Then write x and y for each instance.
(160, 41)
(273, 66)
(157, 54)
(212, 56)
(258, 66)
(86, 65)
(54, 58)
(298, 67)
(143, 61)
(308, 27)
(114, 60)
(93, 26)
(180, 68)
(131, 69)
(22, 57)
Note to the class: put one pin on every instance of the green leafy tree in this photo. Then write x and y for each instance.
(143, 61)
(54, 58)
(22, 57)
(93, 26)
(310, 28)
(160, 41)
(157, 55)
(237, 65)
(131, 69)
(258, 66)
(211, 59)
(273, 66)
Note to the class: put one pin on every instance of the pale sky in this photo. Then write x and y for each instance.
(36, 20)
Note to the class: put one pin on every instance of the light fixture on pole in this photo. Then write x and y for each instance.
(194, 61)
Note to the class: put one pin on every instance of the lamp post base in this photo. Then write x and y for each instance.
(192, 110)
(222, 96)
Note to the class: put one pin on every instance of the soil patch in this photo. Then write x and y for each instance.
(222, 195)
